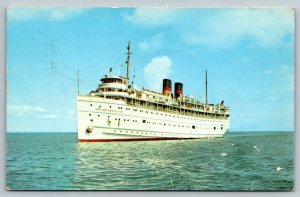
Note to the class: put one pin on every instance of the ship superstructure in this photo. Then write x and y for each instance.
(119, 111)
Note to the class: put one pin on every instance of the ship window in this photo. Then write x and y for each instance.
(144, 121)
(193, 127)
(90, 114)
(221, 128)
(91, 104)
(109, 106)
(98, 115)
(214, 128)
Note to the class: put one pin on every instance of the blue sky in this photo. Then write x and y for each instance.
(249, 55)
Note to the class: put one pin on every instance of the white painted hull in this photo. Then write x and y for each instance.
(114, 120)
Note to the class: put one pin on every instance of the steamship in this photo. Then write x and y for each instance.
(118, 111)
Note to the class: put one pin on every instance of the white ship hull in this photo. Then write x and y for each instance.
(102, 119)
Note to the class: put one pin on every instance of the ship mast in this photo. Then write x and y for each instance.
(128, 60)
(206, 87)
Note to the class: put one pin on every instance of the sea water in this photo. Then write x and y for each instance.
(238, 161)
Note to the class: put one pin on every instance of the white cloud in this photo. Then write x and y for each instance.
(49, 116)
(155, 71)
(265, 27)
(152, 16)
(153, 43)
(64, 14)
(25, 109)
(26, 112)
(26, 13)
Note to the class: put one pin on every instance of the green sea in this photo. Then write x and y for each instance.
(241, 161)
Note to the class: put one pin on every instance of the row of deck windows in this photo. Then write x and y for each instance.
(148, 122)
(135, 110)
(136, 132)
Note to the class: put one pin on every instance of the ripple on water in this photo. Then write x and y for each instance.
(56, 161)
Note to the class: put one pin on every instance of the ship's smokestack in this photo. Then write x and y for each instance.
(178, 91)
(167, 87)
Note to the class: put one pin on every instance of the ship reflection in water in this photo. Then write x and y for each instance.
(229, 163)
(126, 166)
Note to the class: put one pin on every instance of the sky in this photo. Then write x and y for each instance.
(248, 53)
